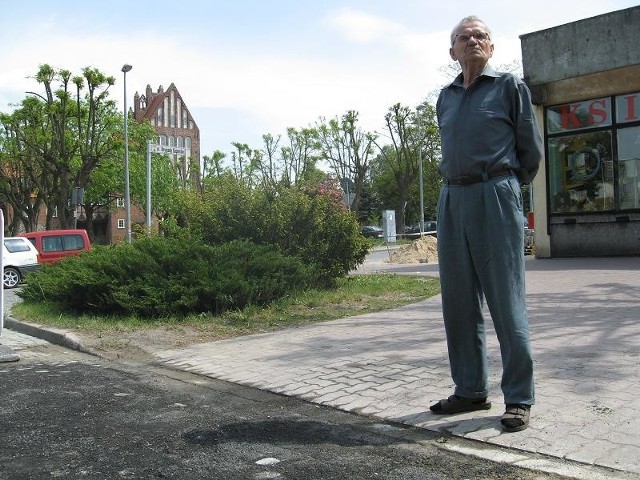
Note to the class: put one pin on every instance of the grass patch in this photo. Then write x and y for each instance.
(354, 295)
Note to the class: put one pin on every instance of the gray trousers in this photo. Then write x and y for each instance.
(481, 255)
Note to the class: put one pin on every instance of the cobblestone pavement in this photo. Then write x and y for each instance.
(12, 342)
(585, 330)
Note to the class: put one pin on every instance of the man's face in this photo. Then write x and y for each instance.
(472, 43)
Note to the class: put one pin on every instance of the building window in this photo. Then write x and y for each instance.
(585, 173)
(629, 167)
(179, 112)
(121, 223)
(119, 202)
(172, 111)
(166, 112)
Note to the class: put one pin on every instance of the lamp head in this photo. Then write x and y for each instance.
(126, 68)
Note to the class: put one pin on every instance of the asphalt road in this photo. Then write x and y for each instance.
(64, 414)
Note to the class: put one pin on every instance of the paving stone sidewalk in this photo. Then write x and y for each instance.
(12, 342)
(585, 324)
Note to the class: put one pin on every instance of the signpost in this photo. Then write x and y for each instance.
(155, 148)
(165, 150)
(2, 270)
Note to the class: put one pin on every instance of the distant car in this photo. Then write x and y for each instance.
(371, 231)
(430, 228)
(19, 258)
(54, 245)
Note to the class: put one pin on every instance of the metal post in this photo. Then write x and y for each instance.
(2, 270)
(419, 110)
(421, 192)
(149, 187)
(186, 163)
(127, 197)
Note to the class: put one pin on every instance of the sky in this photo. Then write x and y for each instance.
(246, 68)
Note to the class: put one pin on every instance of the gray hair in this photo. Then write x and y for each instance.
(464, 21)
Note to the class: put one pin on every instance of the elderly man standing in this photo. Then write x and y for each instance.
(490, 145)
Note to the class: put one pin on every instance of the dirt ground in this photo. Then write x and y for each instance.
(137, 346)
(423, 250)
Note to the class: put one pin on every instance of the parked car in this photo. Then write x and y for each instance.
(19, 257)
(53, 245)
(430, 228)
(371, 231)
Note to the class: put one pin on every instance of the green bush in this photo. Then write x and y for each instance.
(159, 277)
(310, 224)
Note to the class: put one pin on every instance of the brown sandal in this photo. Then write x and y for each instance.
(456, 404)
(516, 417)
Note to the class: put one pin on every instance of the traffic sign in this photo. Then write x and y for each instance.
(155, 148)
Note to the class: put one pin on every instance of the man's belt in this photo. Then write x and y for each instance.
(471, 179)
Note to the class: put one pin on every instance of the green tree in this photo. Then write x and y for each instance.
(271, 165)
(400, 156)
(348, 150)
(58, 138)
(414, 137)
(299, 156)
(212, 168)
(430, 155)
(246, 163)
(21, 173)
(280, 163)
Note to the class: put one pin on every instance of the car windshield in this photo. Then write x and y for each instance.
(14, 245)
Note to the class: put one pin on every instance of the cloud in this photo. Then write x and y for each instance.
(362, 27)
(354, 60)
(279, 89)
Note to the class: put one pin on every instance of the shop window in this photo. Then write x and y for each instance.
(581, 173)
(629, 159)
(585, 173)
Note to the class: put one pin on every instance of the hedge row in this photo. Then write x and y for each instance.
(159, 277)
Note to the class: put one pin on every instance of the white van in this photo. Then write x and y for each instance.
(19, 257)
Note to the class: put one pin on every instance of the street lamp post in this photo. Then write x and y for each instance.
(421, 191)
(127, 197)
(419, 110)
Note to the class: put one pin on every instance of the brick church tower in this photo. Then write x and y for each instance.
(174, 126)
